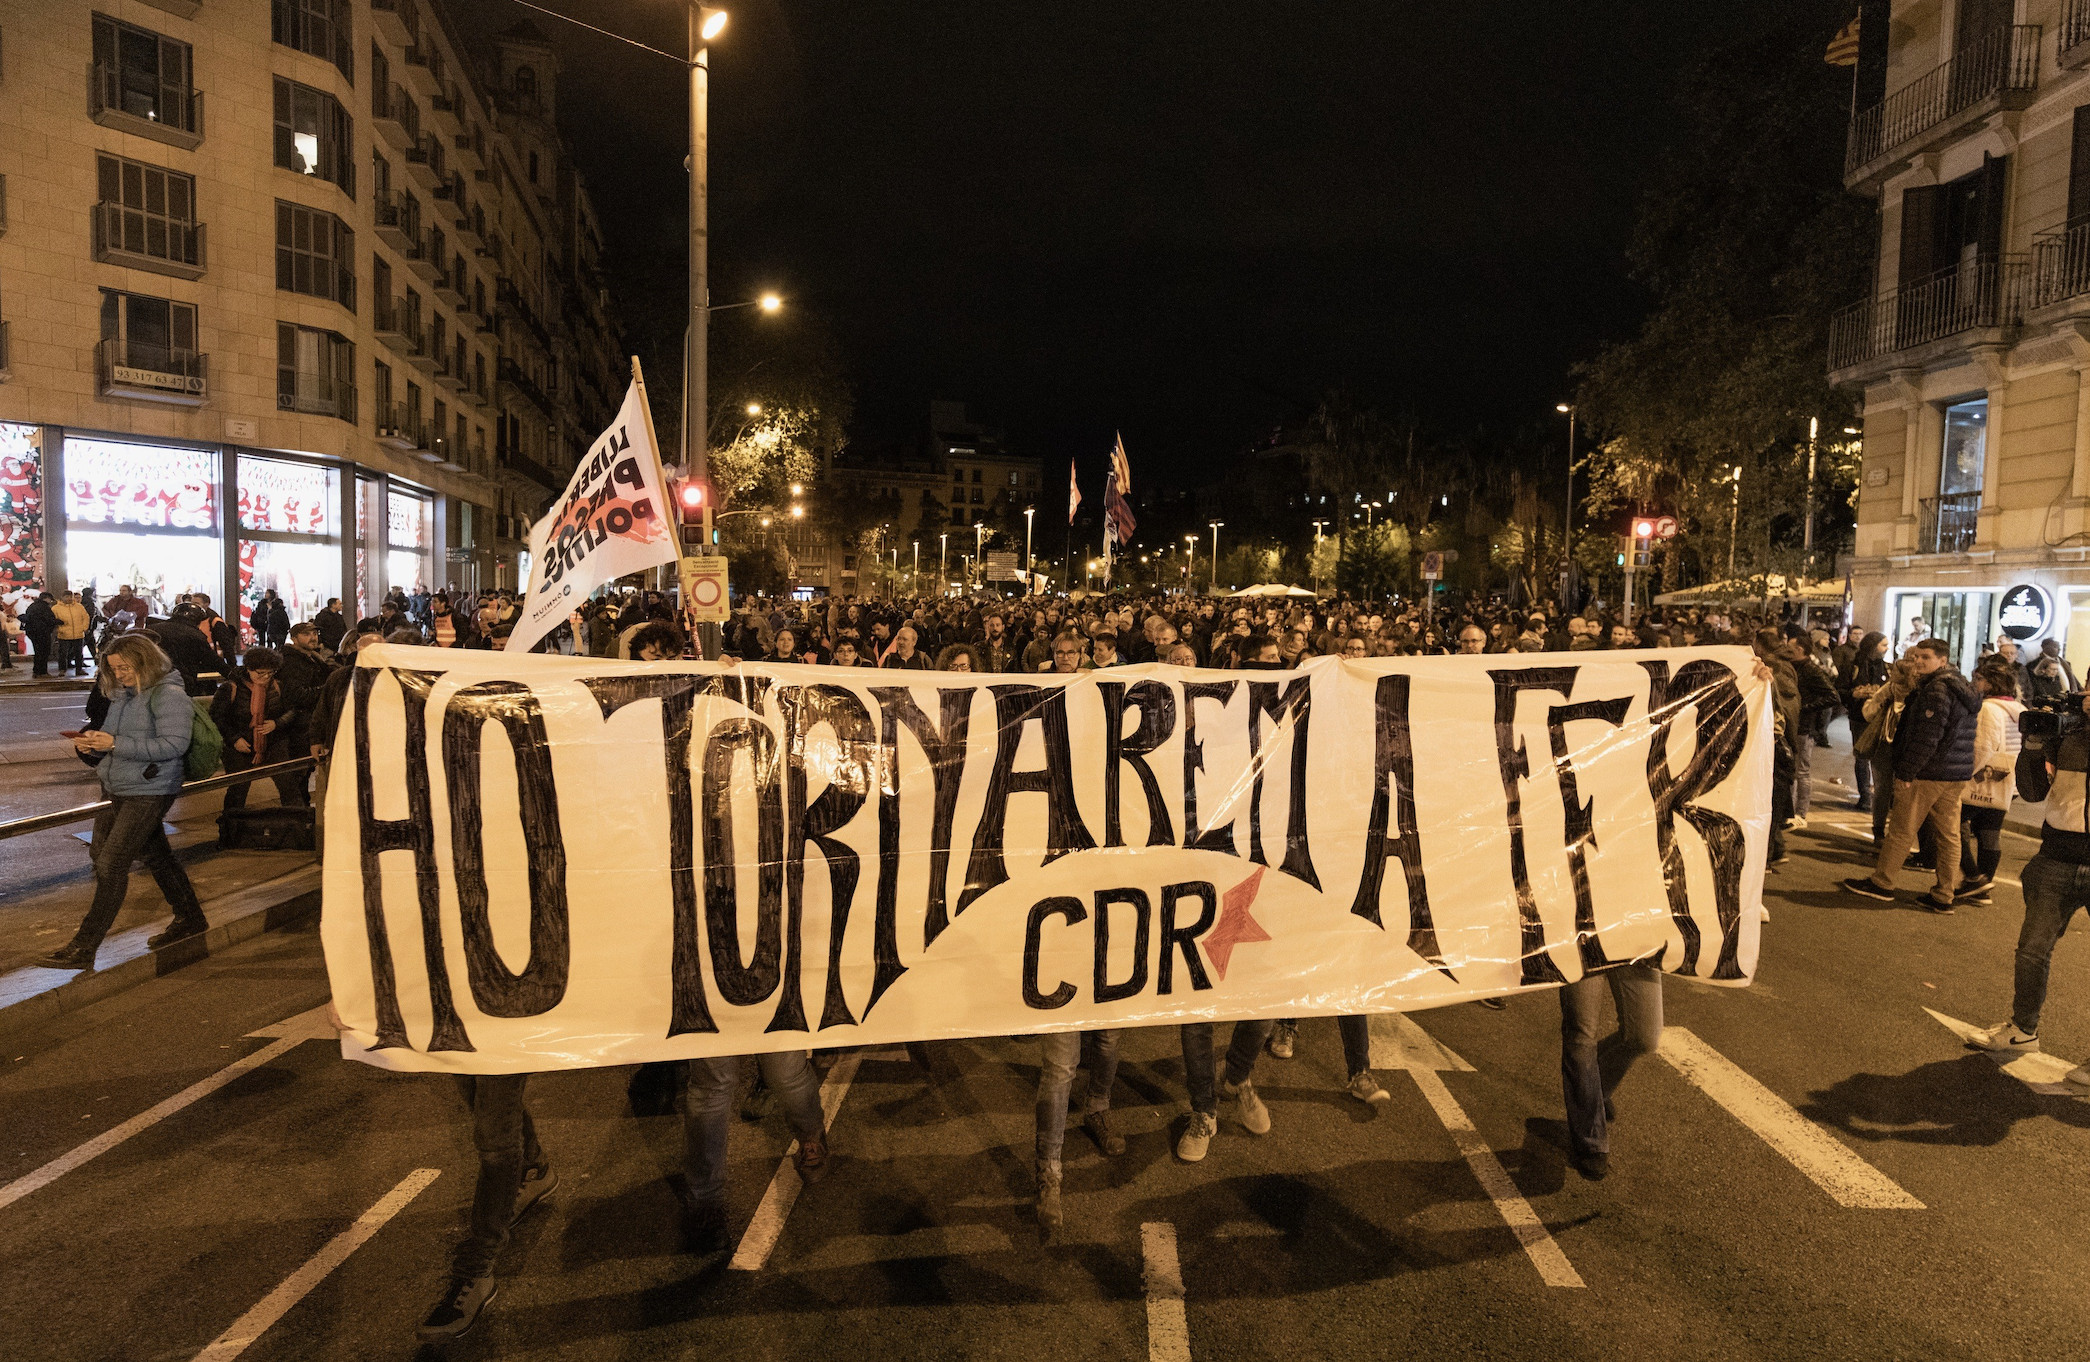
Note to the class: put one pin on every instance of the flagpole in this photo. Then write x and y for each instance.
(668, 514)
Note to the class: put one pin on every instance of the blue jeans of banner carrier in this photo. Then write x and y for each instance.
(1061, 1052)
(507, 1142)
(1590, 1070)
(2054, 889)
(707, 1109)
(1200, 1069)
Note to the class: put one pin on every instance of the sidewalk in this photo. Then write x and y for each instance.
(20, 680)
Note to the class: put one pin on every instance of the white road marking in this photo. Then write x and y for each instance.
(1833, 1167)
(1168, 1328)
(1553, 1266)
(1398, 1043)
(768, 1225)
(145, 1120)
(295, 1287)
(2042, 1073)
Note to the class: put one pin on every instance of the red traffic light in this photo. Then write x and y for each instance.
(1643, 529)
(693, 494)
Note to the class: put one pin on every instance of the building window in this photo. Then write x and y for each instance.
(315, 254)
(140, 75)
(153, 335)
(147, 218)
(975, 475)
(975, 496)
(319, 28)
(313, 134)
(315, 372)
(1966, 449)
(526, 82)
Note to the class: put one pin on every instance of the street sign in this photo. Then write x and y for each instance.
(1432, 567)
(1001, 567)
(704, 588)
(454, 554)
(1665, 527)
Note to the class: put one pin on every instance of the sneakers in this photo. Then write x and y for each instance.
(1592, 1165)
(1494, 1004)
(177, 931)
(1050, 1217)
(1196, 1137)
(1366, 1089)
(1864, 886)
(1097, 1124)
(2079, 1076)
(1796, 823)
(1977, 891)
(1254, 1115)
(66, 957)
(537, 1184)
(704, 1228)
(2004, 1038)
(457, 1310)
(811, 1160)
(1283, 1037)
(1929, 902)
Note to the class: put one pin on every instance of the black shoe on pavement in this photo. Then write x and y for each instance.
(1977, 891)
(1494, 1004)
(1863, 884)
(1592, 1165)
(1097, 1124)
(458, 1309)
(66, 957)
(1929, 902)
(177, 931)
(704, 1229)
(537, 1184)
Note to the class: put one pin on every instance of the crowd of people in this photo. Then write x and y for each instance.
(1938, 760)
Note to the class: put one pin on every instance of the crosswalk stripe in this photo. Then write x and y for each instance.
(1168, 1327)
(1553, 1265)
(2042, 1073)
(1833, 1167)
(299, 1284)
(784, 1186)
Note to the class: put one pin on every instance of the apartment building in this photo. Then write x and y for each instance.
(1971, 128)
(298, 294)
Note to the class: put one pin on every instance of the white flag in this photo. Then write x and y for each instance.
(612, 519)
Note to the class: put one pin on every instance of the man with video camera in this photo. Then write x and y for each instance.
(2054, 766)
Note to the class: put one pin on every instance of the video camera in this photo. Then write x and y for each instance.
(2045, 722)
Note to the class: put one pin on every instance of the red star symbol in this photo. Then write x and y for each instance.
(1237, 925)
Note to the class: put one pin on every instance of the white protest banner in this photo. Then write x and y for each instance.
(612, 519)
(545, 862)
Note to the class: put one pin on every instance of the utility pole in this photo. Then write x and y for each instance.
(1734, 518)
(1813, 432)
(1567, 510)
(704, 24)
(1215, 555)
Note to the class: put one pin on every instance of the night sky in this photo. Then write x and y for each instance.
(1185, 221)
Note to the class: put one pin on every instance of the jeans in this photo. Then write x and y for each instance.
(506, 1138)
(1061, 1051)
(1357, 1043)
(1915, 803)
(2053, 891)
(1980, 841)
(1781, 795)
(72, 654)
(290, 789)
(1199, 1068)
(125, 831)
(1590, 1070)
(1861, 774)
(707, 1110)
(1802, 774)
(1882, 795)
(42, 644)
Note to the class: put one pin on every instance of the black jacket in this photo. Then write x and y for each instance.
(190, 652)
(331, 627)
(231, 711)
(303, 677)
(333, 698)
(1935, 740)
(39, 621)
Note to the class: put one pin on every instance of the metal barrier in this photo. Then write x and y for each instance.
(21, 827)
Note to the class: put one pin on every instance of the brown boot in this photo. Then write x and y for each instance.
(811, 1159)
(1049, 1216)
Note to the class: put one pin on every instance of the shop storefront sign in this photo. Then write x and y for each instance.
(2026, 611)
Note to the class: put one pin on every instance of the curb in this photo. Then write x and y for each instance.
(91, 986)
(48, 686)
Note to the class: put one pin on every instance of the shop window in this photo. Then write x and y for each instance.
(315, 372)
(144, 516)
(319, 28)
(147, 218)
(314, 134)
(315, 254)
(141, 76)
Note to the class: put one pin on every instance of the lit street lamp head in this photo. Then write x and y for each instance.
(771, 302)
(711, 22)
(754, 409)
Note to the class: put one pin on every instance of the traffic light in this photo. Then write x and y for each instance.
(693, 499)
(1643, 541)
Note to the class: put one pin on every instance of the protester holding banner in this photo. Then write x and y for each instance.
(514, 1175)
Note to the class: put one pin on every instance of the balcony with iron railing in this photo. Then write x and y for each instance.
(396, 328)
(5, 372)
(511, 301)
(147, 241)
(450, 285)
(398, 220)
(518, 378)
(509, 459)
(398, 20)
(166, 113)
(426, 164)
(2072, 39)
(318, 395)
(2060, 277)
(1954, 305)
(1950, 523)
(423, 70)
(470, 146)
(400, 426)
(1998, 71)
(395, 116)
(152, 373)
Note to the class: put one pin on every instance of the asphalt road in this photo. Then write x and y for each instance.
(1342, 1233)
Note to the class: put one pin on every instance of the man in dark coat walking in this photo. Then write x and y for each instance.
(1933, 760)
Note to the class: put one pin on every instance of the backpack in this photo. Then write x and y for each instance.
(206, 743)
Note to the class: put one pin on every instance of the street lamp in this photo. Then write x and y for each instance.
(1190, 563)
(914, 573)
(754, 409)
(1813, 431)
(1734, 516)
(1369, 507)
(1215, 553)
(705, 24)
(1030, 564)
(943, 561)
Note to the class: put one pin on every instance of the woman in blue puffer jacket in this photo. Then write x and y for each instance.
(142, 744)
